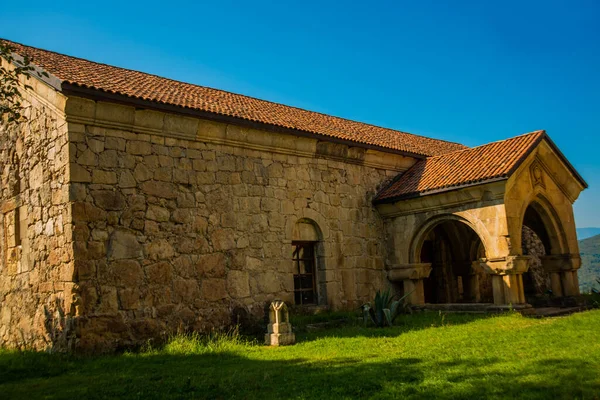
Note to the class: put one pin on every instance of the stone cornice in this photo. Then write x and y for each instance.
(561, 262)
(506, 265)
(550, 174)
(486, 194)
(401, 272)
(119, 117)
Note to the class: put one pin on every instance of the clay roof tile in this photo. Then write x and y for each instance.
(139, 85)
(496, 160)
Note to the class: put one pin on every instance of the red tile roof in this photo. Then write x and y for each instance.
(471, 166)
(139, 85)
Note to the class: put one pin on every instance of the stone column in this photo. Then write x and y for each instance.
(411, 275)
(467, 270)
(507, 278)
(563, 273)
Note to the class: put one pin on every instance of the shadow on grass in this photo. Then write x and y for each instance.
(354, 327)
(234, 376)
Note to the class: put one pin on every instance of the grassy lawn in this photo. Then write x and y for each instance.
(427, 355)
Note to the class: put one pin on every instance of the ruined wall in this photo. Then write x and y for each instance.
(36, 260)
(178, 220)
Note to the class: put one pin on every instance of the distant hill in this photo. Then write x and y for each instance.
(590, 263)
(584, 233)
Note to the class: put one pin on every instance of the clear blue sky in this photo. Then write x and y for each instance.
(465, 71)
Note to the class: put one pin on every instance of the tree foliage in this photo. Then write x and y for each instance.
(590, 264)
(11, 107)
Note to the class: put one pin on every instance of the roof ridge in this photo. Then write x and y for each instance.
(494, 161)
(540, 131)
(395, 131)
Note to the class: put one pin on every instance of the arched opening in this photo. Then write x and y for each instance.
(452, 248)
(308, 264)
(540, 238)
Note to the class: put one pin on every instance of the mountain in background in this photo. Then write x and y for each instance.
(584, 233)
(590, 263)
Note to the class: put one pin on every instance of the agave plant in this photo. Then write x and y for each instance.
(384, 309)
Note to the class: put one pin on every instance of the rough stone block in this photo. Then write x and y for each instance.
(124, 244)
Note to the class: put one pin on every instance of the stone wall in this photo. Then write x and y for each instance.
(36, 260)
(178, 221)
(536, 279)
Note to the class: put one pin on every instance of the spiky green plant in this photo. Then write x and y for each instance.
(384, 309)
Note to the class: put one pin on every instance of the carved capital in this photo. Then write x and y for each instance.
(402, 272)
(506, 265)
(561, 262)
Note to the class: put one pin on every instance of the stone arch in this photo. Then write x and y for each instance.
(451, 245)
(306, 230)
(422, 232)
(551, 266)
(307, 215)
(539, 211)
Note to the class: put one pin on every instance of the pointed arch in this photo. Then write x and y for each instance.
(539, 212)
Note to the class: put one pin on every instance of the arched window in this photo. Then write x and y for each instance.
(305, 246)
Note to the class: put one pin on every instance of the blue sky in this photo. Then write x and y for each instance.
(465, 71)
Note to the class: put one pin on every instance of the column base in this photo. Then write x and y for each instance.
(411, 276)
(563, 273)
(508, 289)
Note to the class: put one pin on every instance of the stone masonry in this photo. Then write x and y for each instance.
(173, 233)
(139, 223)
(36, 251)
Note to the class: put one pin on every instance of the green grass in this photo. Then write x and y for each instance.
(427, 356)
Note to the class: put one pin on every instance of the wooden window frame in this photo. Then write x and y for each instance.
(299, 274)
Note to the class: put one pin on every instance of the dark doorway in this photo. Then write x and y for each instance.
(451, 247)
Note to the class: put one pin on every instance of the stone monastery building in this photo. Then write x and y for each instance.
(134, 205)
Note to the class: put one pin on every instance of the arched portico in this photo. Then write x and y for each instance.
(471, 207)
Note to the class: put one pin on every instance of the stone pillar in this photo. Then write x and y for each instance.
(563, 273)
(467, 270)
(411, 275)
(507, 278)
(556, 284)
